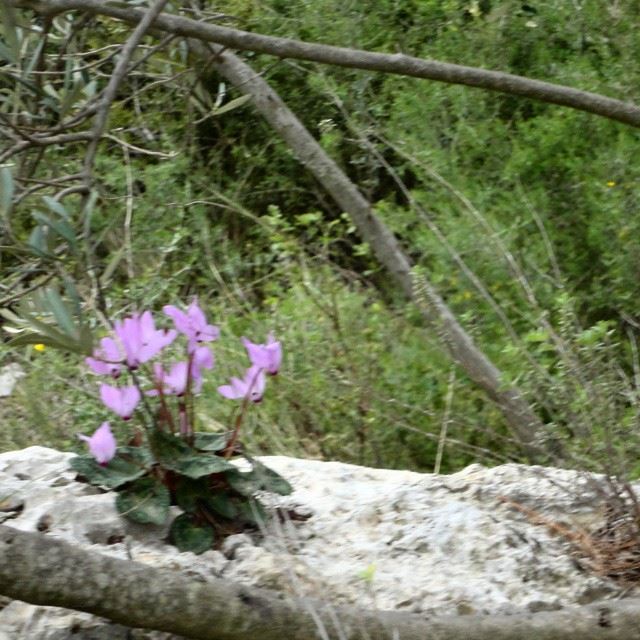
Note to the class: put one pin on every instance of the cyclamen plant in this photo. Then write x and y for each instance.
(167, 462)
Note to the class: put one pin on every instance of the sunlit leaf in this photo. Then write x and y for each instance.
(230, 106)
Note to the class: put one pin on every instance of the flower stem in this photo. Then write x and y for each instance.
(228, 452)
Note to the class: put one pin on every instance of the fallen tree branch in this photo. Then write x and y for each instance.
(400, 64)
(521, 418)
(44, 571)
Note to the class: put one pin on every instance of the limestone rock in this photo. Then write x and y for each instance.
(9, 376)
(377, 538)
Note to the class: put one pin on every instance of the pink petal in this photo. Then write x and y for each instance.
(266, 356)
(100, 367)
(252, 386)
(176, 379)
(202, 358)
(229, 392)
(102, 444)
(121, 401)
(179, 317)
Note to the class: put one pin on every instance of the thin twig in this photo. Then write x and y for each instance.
(117, 77)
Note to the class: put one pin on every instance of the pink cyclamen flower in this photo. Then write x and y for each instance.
(192, 323)
(201, 358)
(266, 356)
(102, 444)
(140, 338)
(175, 381)
(251, 387)
(122, 401)
(106, 359)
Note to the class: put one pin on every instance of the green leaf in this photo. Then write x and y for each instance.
(112, 265)
(211, 441)
(73, 294)
(61, 227)
(6, 191)
(46, 334)
(189, 493)
(37, 338)
(60, 312)
(56, 207)
(187, 535)
(128, 464)
(245, 483)
(27, 70)
(6, 54)
(145, 501)
(166, 447)
(230, 106)
(197, 466)
(260, 478)
(253, 512)
(271, 480)
(11, 37)
(85, 340)
(173, 453)
(38, 243)
(194, 494)
(223, 504)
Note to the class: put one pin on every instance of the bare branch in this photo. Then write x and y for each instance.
(119, 73)
(41, 570)
(44, 141)
(400, 64)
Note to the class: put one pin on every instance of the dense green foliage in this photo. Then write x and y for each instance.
(540, 202)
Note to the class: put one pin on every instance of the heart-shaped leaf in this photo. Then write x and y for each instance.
(167, 448)
(175, 454)
(189, 535)
(190, 493)
(260, 478)
(128, 464)
(270, 480)
(223, 505)
(145, 501)
(211, 441)
(244, 482)
(252, 512)
(197, 466)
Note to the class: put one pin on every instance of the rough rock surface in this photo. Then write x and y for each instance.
(9, 376)
(377, 538)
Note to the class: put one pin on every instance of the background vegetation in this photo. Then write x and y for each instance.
(539, 202)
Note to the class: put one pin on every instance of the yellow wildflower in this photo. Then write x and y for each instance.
(39, 346)
(611, 183)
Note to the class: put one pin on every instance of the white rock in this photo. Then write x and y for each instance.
(379, 538)
(9, 376)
